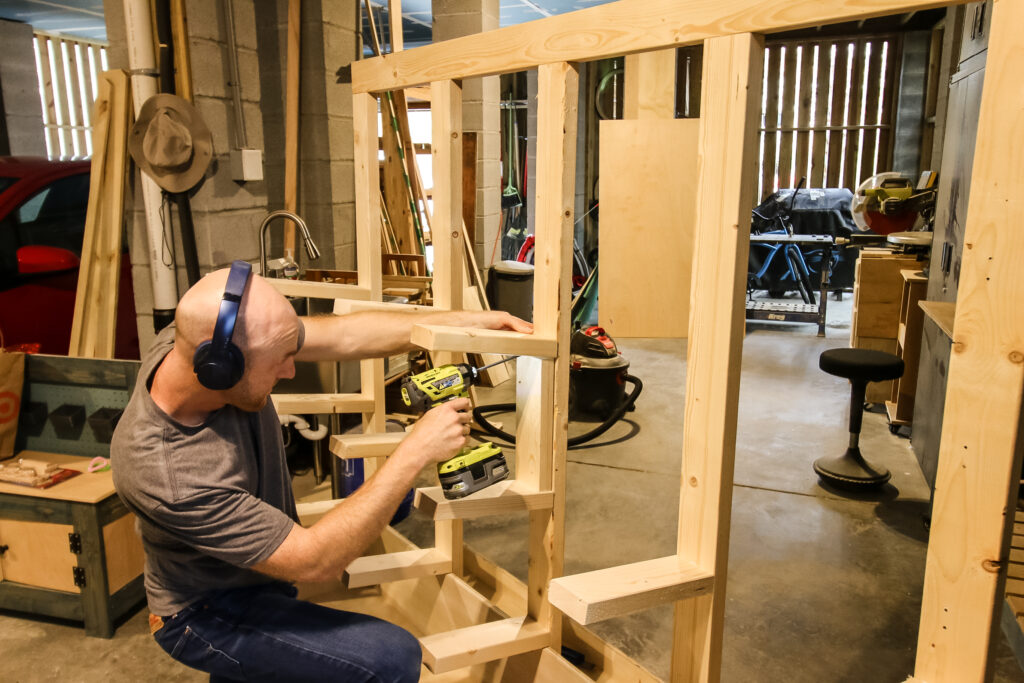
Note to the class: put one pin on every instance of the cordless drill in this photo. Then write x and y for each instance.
(471, 469)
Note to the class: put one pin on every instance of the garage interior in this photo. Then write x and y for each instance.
(824, 579)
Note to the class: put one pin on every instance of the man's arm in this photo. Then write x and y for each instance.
(321, 552)
(374, 334)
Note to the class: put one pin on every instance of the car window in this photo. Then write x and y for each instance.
(55, 215)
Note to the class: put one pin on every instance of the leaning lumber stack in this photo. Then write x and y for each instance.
(95, 320)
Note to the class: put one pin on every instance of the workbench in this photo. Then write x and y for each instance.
(71, 550)
(798, 313)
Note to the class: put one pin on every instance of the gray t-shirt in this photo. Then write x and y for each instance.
(211, 500)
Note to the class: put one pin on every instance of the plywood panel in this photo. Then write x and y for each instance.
(38, 554)
(648, 199)
(123, 546)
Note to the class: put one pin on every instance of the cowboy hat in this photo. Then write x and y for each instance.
(170, 142)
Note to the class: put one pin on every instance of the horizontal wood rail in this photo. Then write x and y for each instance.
(319, 290)
(321, 404)
(501, 498)
(373, 570)
(482, 643)
(355, 446)
(606, 593)
(610, 30)
(346, 306)
(468, 340)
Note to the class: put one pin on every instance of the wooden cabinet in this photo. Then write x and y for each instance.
(877, 296)
(900, 406)
(69, 551)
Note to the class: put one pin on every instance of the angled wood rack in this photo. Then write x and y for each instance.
(461, 628)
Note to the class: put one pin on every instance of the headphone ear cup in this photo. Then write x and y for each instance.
(218, 370)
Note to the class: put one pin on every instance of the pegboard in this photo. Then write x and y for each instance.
(56, 381)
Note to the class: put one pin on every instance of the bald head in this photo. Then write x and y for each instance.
(265, 318)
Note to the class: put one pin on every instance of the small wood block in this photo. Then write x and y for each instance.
(1015, 587)
(355, 446)
(605, 593)
(469, 340)
(501, 498)
(321, 404)
(319, 290)
(483, 643)
(372, 570)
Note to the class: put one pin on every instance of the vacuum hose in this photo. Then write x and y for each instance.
(478, 415)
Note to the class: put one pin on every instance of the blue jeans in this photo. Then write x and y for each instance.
(262, 633)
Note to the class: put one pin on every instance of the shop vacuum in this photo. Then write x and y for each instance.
(598, 375)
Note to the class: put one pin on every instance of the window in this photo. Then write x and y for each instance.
(827, 111)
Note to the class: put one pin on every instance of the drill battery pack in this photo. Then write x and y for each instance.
(472, 470)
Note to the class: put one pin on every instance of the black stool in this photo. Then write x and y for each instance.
(860, 366)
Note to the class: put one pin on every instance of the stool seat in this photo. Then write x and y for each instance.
(864, 365)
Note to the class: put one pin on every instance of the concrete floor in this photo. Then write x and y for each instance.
(822, 586)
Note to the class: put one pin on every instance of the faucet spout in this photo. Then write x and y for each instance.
(307, 239)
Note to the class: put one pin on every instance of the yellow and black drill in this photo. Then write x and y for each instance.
(473, 468)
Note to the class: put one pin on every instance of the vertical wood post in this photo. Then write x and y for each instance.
(447, 235)
(979, 454)
(367, 184)
(543, 385)
(725, 196)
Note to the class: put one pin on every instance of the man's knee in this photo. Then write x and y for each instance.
(404, 657)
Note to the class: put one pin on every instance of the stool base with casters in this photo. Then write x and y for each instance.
(860, 366)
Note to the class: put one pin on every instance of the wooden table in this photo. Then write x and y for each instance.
(69, 551)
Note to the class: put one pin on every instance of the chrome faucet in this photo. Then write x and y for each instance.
(311, 249)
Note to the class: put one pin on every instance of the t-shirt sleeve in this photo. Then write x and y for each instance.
(228, 524)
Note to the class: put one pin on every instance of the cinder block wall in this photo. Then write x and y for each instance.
(21, 112)
(481, 114)
(226, 213)
(326, 199)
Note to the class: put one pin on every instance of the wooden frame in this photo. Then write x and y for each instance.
(971, 500)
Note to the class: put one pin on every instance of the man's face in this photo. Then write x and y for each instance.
(265, 365)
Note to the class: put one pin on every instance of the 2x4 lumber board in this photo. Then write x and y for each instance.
(610, 30)
(616, 591)
(368, 255)
(544, 666)
(544, 439)
(471, 340)
(728, 153)
(291, 122)
(354, 446)
(509, 595)
(447, 228)
(319, 290)
(373, 570)
(482, 643)
(346, 306)
(94, 323)
(499, 499)
(978, 467)
(321, 404)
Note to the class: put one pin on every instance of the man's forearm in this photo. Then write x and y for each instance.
(344, 533)
(374, 334)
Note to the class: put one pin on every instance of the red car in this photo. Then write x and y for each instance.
(42, 220)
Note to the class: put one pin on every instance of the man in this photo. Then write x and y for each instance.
(198, 457)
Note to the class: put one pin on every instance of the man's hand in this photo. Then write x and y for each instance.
(495, 320)
(441, 432)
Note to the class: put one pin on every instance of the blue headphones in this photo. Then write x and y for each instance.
(218, 363)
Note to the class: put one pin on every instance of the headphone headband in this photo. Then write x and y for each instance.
(230, 304)
(218, 363)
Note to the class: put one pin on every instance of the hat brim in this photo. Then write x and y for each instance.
(179, 179)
